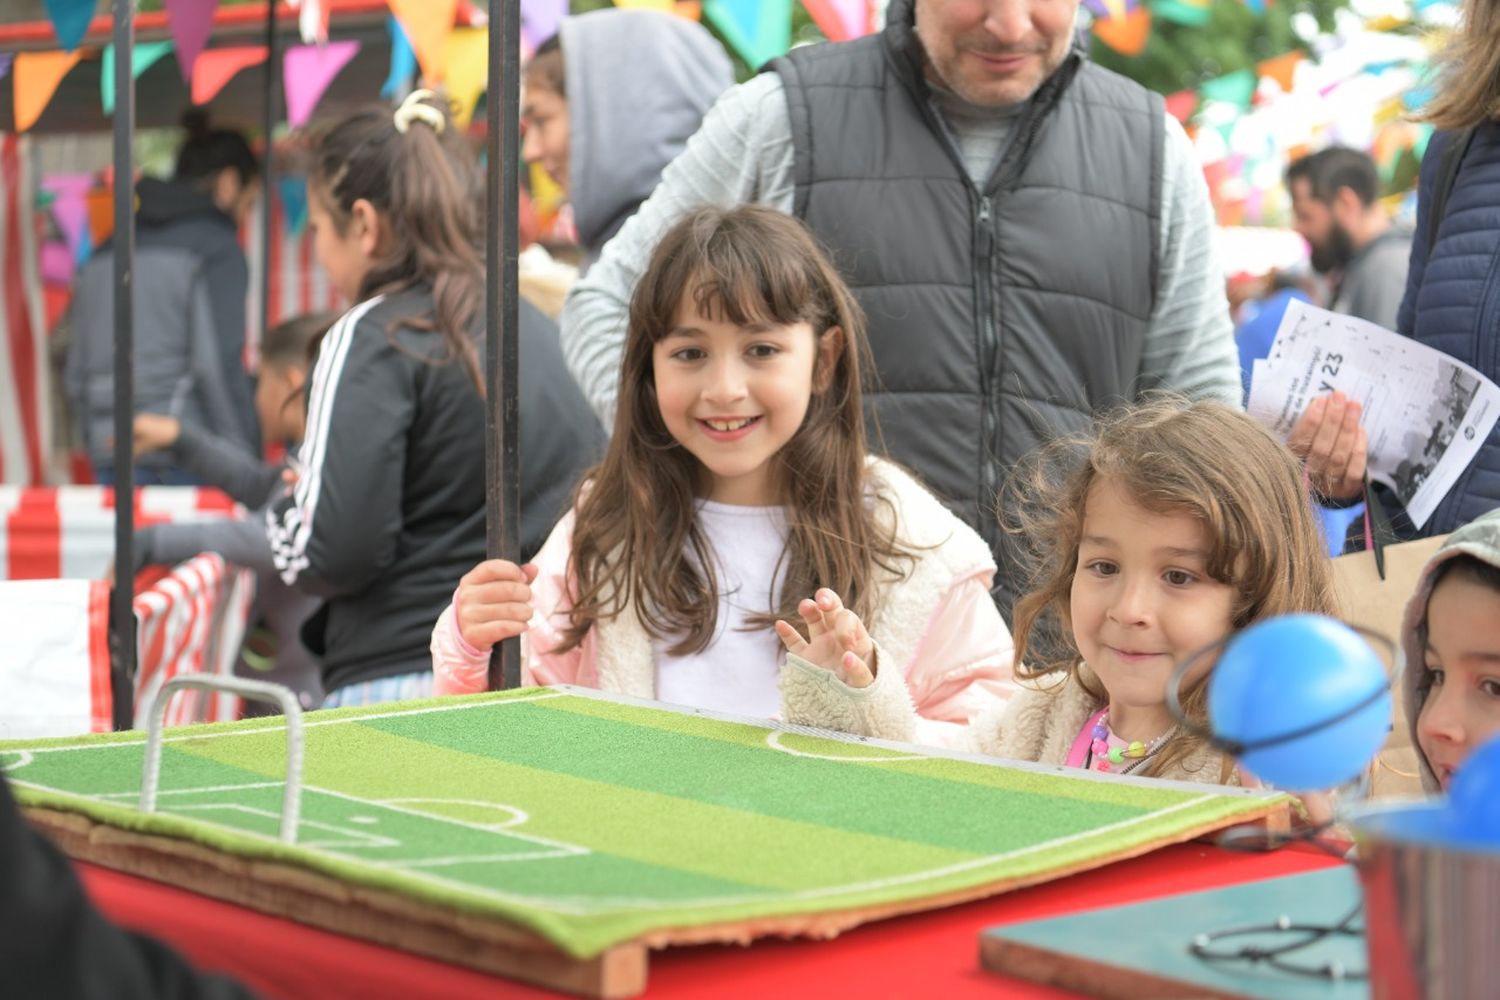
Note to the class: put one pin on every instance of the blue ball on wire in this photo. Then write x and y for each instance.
(1303, 699)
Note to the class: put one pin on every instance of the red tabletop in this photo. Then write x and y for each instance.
(929, 954)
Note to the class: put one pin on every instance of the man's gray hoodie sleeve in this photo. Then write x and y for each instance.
(243, 543)
(226, 465)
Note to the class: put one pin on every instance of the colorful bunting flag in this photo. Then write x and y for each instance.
(403, 60)
(190, 22)
(101, 206)
(216, 67)
(35, 76)
(467, 58)
(427, 23)
(312, 20)
(1182, 104)
(293, 192)
(1257, 7)
(1190, 12)
(143, 55)
(841, 19)
(1282, 69)
(307, 72)
(70, 210)
(759, 30)
(1127, 34)
(662, 5)
(540, 18)
(1237, 88)
(70, 20)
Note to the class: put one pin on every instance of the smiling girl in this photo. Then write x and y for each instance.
(737, 479)
(1181, 523)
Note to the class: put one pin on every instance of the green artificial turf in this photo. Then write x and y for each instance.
(593, 821)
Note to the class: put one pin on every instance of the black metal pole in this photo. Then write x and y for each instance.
(502, 446)
(122, 614)
(267, 171)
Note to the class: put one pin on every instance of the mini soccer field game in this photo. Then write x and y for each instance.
(556, 834)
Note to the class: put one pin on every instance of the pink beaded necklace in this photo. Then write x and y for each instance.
(1103, 757)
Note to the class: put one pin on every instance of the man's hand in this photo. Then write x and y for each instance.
(154, 432)
(1330, 441)
(837, 639)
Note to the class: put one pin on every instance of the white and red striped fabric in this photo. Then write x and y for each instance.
(54, 659)
(191, 621)
(298, 284)
(25, 406)
(68, 531)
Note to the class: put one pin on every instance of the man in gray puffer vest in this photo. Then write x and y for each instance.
(1030, 235)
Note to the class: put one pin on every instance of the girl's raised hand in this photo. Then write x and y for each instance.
(493, 602)
(837, 640)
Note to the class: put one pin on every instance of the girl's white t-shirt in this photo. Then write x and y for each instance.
(738, 672)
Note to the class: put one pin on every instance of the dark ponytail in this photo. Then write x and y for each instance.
(423, 182)
(207, 151)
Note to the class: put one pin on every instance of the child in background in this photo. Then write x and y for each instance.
(1183, 522)
(286, 353)
(389, 504)
(1450, 636)
(737, 478)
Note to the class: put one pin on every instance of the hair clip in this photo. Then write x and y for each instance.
(414, 107)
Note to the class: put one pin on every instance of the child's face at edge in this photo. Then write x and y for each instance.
(733, 396)
(1142, 601)
(1462, 673)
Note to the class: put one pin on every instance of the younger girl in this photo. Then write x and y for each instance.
(1451, 640)
(389, 504)
(1183, 522)
(736, 480)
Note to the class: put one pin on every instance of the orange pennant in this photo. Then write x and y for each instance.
(34, 79)
(1126, 35)
(427, 23)
(1281, 69)
(101, 206)
(216, 67)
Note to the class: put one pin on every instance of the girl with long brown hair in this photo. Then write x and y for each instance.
(388, 509)
(737, 481)
(1172, 526)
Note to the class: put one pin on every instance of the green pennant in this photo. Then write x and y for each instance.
(1192, 12)
(143, 57)
(1237, 88)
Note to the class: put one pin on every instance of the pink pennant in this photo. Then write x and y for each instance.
(70, 205)
(190, 21)
(308, 70)
(840, 19)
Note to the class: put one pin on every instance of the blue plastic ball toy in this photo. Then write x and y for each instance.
(1301, 672)
(1474, 797)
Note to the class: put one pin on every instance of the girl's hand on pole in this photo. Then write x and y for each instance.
(837, 640)
(493, 602)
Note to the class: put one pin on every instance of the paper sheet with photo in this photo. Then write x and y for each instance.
(1425, 413)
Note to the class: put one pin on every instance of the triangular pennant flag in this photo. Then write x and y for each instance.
(191, 21)
(293, 192)
(403, 60)
(661, 5)
(1257, 6)
(35, 79)
(70, 207)
(540, 18)
(1190, 12)
(1236, 88)
(308, 70)
(467, 58)
(427, 23)
(1182, 104)
(101, 203)
(1127, 35)
(840, 19)
(1282, 69)
(70, 19)
(216, 67)
(143, 55)
(759, 30)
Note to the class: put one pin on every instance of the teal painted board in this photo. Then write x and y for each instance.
(1142, 949)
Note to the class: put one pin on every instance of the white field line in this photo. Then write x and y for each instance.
(307, 724)
(16, 765)
(359, 837)
(773, 740)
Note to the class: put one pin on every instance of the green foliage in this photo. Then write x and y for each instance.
(1181, 57)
